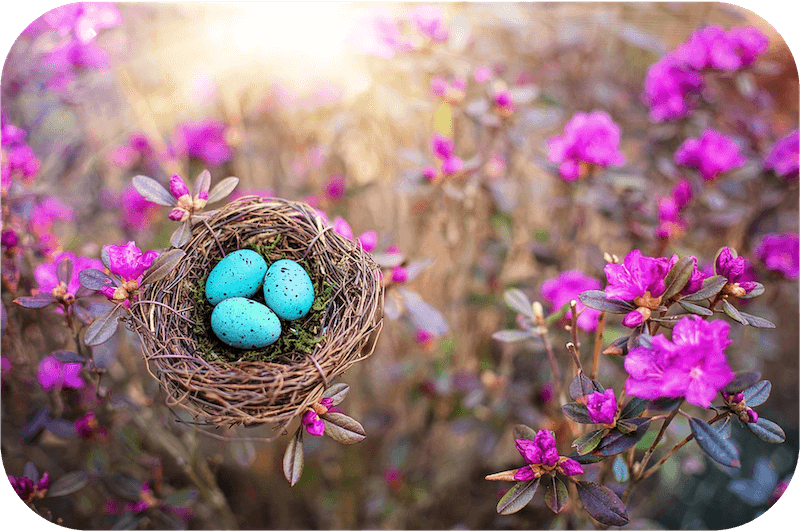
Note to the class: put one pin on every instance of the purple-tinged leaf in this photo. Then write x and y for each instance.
(202, 182)
(31, 471)
(585, 459)
(343, 429)
(664, 404)
(523, 432)
(105, 258)
(60, 427)
(64, 355)
(598, 300)
(81, 314)
(94, 279)
(517, 300)
(337, 392)
(388, 260)
(512, 335)
(677, 277)
(68, 483)
(151, 190)
(720, 449)
(756, 321)
(635, 407)
(416, 267)
(581, 386)
(180, 499)
(127, 521)
(742, 380)
(517, 497)
(733, 312)
(618, 347)
(293, 459)
(162, 266)
(36, 425)
(602, 504)
(422, 314)
(64, 271)
(125, 486)
(695, 309)
(755, 292)
(555, 494)
(182, 235)
(711, 288)
(617, 442)
(3, 319)
(222, 189)
(103, 327)
(37, 301)
(589, 442)
(758, 393)
(577, 412)
(767, 430)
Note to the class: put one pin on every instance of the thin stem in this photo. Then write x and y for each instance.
(598, 341)
(554, 365)
(660, 435)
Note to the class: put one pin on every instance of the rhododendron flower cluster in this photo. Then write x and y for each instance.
(85, 18)
(442, 147)
(311, 421)
(692, 365)
(204, 139)
(137, 212)
(53, 373)
(784, 158)
(129, 263)
(542, 456)
(670, 208)
(138, 148)
(734, 268)
(780, 253)
(453, 91)
(712, 154)
(45, 273)
(18, 160)
(334, 187)
(87, 427)
(504, 103)
(430, 21)
(568, 286)
(588, 139)
(602, 406)
(368, 239)
(27, 489)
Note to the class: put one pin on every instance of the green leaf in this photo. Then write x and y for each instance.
(182, 235)
(577, 412)
(758, 393)
(733, 312)
(180, 499)
(620, 468)
(555, 494)
(162, 266)
(678, 276)
(742, 380)
(293, 458)
(343, 429)
(222, 189)
(756, 321)
(616, 442)
(512, 335)
(337, 392)
(635, 407)
(695, 309)
(151, 190)
(518, 301)
(523, 432)
(103, 327)
(557, 314)
(767, 430)
(711, 288)
(602, 504)
(587, 458)
(598, 300)
(715, 445)
(589, 441)
(517, 497)
(68, 483)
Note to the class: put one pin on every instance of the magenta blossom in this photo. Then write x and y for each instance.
(368, 239)
(780, 253)
(399, 275)
(423, 336)
(784, 158)
(430, 21)
(89, 428)
(568, 286)
(602, 406)
(45, 273)
(84, 17)
(137, 212)
(376, 32)
(636, 277)
(341, 226)
(693, 365)
(311, 421)
(334, 188)
(27, 489)
(714, 48)
(712, 154)
(53, 373)
(18, 161)
(734, 269)
(72, 53)
(542, 455)
(504, 102)
(137, 148)
(442, 148)
(591, 138)
(482, 74)
(204, 139)
(128, 261)
(671, 89)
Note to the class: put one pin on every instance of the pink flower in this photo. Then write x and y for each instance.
(542, 451)
(453, 165)
(393, 477)
(45, 273)
(53, 373)
(602, 406)
(429, 172)
(734, 268)
(671, 89)
(137, 212)
(128, 262)
(504, 100)
(439, 86)
(73, 53)
(693, 365)
(430, 21)
(88, 428)
(341, 226)
(784, 158)
(334, 188)
(423, 336)
(399, 275)
(442, 147)
(313, 424)
(27, 489)
(204, 139)
(780, 253)
(588, 138)
(714, 48)
(177, 187)
(84, 17)
(20, 162)
(568, 286)
(712, 154)
(376, 32)
(636, 276)
(368, 239)
(482, 74)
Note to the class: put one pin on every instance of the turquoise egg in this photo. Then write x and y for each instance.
(239, 274)
(244, 323)
(288, 290)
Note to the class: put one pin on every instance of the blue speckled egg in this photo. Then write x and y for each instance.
(244, 323)
(239, 274)
(288, 290)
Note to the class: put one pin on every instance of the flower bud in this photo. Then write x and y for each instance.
(177, 187)
(570, 467)
(198, 203)
(752, 416)
(399, 275)
(178, 215)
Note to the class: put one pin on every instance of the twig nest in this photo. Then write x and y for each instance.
(248, 392)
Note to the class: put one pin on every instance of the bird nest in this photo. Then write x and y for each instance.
(229, 392)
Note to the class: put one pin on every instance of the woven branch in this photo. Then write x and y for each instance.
(246, 392)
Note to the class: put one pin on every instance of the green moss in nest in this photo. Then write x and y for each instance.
(298, 337)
